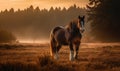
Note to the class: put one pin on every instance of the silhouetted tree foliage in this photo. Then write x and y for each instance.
(6, 37)
(104, 17)
(36, 23)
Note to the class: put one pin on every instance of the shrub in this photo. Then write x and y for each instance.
(6, 37)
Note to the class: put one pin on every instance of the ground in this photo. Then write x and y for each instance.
(36, 57)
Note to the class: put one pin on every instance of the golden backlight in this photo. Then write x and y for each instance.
(22, 4)
(34, 41)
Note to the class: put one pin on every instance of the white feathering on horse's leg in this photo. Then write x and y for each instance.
(71, 55)
(56, 57)
(75, 54)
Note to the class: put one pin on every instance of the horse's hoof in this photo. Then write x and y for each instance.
(76, 58)
(71, 59)
(56, 57)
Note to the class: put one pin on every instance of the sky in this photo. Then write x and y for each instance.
(22, 4)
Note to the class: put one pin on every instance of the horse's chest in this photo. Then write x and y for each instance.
(76, 39)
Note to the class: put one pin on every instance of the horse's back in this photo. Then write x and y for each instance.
(54, 30)
(59, 34)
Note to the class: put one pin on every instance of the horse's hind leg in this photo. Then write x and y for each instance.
(57, 48)
(76, 50)
(52, 45)
(53, 50)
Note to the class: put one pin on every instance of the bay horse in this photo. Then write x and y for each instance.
(69, 35)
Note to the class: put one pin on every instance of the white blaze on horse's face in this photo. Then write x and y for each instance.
(56, 57)
(81, 23)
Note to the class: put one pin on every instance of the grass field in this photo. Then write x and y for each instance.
(36, 57)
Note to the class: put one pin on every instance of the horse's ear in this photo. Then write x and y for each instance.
(79, 17)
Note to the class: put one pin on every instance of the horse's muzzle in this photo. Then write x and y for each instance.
(82, 30)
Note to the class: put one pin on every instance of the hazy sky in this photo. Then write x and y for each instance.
(21, 4)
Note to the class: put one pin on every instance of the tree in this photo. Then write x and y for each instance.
(37, 10)
(104, 19)
(6, 37)
(51, 10)
(37, 23)
(11, 10)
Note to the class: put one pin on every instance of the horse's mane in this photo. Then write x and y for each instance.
(69, 25)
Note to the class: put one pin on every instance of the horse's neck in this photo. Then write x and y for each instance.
(68, 26)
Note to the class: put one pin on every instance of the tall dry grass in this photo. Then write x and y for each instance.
(44, 63)
(106, 58)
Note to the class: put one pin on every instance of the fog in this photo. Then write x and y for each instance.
(34, 24)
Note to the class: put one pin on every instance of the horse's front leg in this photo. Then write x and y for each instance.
(71, 52)
(76, 50)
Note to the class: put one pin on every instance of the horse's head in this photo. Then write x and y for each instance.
(81, 23)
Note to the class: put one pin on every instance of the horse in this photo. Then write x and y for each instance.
(69, 35)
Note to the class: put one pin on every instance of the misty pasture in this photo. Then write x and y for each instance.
(25, 37)
(36, 57)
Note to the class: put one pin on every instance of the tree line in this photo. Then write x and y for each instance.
(36, 23)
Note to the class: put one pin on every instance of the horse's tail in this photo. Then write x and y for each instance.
(52, 44)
